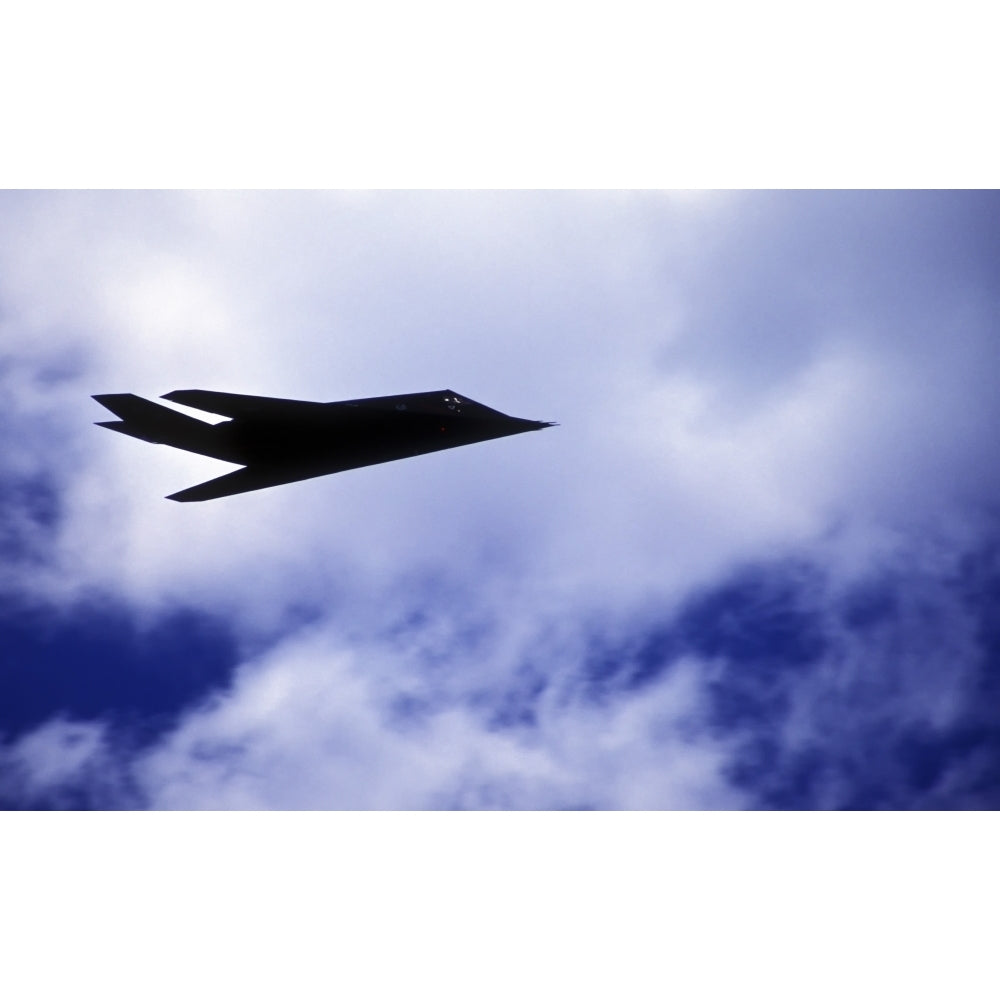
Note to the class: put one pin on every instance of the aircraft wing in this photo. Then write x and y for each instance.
(245, 480)
(231, 404)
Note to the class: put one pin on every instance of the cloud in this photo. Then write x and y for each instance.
(61, 764)
(766, 380)
(317, 726)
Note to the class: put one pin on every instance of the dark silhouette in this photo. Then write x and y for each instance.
(286, 440)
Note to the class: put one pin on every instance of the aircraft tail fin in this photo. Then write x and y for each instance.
(160, 425)
(133, 430)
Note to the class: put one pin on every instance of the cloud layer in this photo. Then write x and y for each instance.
(755, 564)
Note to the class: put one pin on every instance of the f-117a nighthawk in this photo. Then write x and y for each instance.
(286, 440)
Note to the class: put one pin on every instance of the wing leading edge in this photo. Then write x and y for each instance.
(243, 481)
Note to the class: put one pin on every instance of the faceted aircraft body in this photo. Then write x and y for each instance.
(287, 440)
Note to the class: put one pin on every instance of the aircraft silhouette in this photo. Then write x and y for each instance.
(286, 440)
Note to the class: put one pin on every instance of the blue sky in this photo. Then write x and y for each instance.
(757, 565)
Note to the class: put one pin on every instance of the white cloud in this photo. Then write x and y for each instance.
(314, 725)
(56, 755)
(735, 377)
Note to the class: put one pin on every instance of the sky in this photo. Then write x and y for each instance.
(756, 566)
(753, 568)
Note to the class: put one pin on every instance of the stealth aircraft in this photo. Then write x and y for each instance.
(286, 440)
